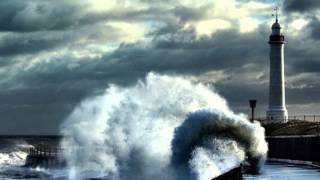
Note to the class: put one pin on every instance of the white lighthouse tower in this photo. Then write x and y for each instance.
(277, 105)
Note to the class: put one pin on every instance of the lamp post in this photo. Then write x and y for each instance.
(252, 103)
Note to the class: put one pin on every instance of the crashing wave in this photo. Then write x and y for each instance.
(209, 142)
(161, 128)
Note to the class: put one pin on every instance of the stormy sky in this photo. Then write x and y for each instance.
(53, 54)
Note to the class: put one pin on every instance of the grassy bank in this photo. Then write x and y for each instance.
(293, 127)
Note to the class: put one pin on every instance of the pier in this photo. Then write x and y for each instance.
(45, 157)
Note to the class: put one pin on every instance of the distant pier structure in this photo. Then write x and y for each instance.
(45, 157)
(277, 110)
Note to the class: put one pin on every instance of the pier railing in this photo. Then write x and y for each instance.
(41, 150)
(307, 118)
(310, 118)
(45, 156)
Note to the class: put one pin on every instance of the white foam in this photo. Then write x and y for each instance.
(15, 158)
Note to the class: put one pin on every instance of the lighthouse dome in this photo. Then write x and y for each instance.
(276, 25)
(276, 28)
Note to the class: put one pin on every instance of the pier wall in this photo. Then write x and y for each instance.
(44, 162)
(303, 148)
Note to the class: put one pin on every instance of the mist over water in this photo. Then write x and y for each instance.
(163, 127)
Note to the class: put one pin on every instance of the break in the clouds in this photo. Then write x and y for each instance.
(53, 54)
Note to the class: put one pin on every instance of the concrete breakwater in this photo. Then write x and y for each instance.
(303, 148)
(45, 157)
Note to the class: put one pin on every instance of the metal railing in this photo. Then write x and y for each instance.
(307, 118)
(310, 118)
(46, 157)
(41, 150)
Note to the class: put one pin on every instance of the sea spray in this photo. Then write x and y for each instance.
(163, 127)
(212, 140)
(13, 152)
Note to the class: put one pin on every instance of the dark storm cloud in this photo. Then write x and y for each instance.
(33, 119)
(304, 60)
(33, 26)
(302, 53)
(176, 54)
(25, 44)
(314, 28)
(32, 43)
(41, 95)
(61, 85)
(301, 5)
(248, 90)
(4, 61)
(184, 53)
(26, 16)
(304, 95)
(307, 65)
(35, 15)
(131, 61)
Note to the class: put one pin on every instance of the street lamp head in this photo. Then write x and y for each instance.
(252, 103)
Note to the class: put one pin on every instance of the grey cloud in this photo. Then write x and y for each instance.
(33, 119)
(238, 94)
(302, 54)
(187, 13)
(307, 65)
(26, 16)
(35, 15)
(176, 55)
(32, 43)
(34, 26)
(132, 61)
(304, 95)
(5, 61)
(184, 53)
(314, 28)
(13, 44)
(302, 6)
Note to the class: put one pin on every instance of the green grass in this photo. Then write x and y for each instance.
(293, 127)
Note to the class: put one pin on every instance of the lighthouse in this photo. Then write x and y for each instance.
(277, 103)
